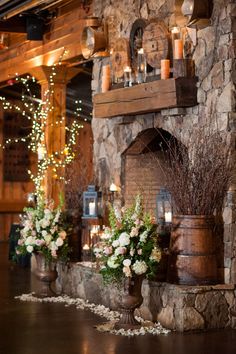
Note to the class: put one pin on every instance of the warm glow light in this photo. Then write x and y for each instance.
(113, 187)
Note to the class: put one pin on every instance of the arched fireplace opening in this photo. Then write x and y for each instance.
(142, 172)
(142, 166)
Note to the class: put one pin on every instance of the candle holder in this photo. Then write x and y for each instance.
(141, 67)
(113, 190)
(127, 77)
(91, 202)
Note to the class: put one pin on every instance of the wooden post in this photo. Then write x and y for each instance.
(56, 122)
(183, 68)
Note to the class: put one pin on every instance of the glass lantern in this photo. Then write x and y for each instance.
(164, 207)
(91, 202)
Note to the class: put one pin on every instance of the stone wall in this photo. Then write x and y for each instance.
(213, 51)
(181, 308)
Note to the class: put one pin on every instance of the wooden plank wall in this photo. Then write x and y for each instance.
(13, 195)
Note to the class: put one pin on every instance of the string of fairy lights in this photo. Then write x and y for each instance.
(37, 112)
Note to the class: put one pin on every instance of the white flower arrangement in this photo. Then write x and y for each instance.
(43, 230)
(129, 246)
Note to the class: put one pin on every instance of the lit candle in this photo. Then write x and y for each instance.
(142, 66)
(165, 69)
(178, 49)
(92, 208)
(168, 216)
(106, 78)
(127, 76)
(86, 247)
(113, 187)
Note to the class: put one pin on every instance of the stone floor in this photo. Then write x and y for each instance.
(34, 328)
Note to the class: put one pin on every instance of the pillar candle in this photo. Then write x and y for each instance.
(168, 216)
(91, 208)
(106, 78)
(178, 49)
(165, 69)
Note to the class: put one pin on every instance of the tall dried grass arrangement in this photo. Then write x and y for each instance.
(198, 174)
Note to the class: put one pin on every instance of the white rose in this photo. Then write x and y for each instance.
(139, 267)
(134, 232)
(44, 233)
(127, 262)
(127, 271)
(115, 243)
(59, 241)
(62, 234)
(124, 239)
(120, 250)
(29, 248)
(29, 240)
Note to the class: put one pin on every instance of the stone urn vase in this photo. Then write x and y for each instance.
(130, 299)
(46, 273)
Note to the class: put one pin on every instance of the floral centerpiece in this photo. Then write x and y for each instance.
(44, 231)
(129, 246)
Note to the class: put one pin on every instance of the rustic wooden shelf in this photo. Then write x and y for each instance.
(148, 97)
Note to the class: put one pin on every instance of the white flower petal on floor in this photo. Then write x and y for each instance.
(147, 327)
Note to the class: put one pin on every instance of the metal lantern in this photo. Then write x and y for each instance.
(164, 207)
(197, 10)
(91, 202)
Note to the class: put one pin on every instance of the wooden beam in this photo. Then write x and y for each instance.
(148, 97)
(10, 206)
(65, 33)
(13, 25)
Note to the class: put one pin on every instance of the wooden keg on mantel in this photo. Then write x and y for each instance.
(156, 43)
(192, 259)
(120, 57)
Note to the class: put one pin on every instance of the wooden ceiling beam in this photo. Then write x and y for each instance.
(14, 25)
(65, 35)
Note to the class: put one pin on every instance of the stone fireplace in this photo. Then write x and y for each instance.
(126, 147)
(118, 153)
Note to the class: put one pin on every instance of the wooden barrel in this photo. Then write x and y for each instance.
(192, 259)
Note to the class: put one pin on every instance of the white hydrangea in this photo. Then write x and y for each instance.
(29, 240)
(143, 236)
(44, 223)
(47, 238)
(124, 239)
(112, 262)
(139, 267)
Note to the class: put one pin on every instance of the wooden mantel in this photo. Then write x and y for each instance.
(148, 97)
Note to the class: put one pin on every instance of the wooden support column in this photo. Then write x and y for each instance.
(55, 126)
